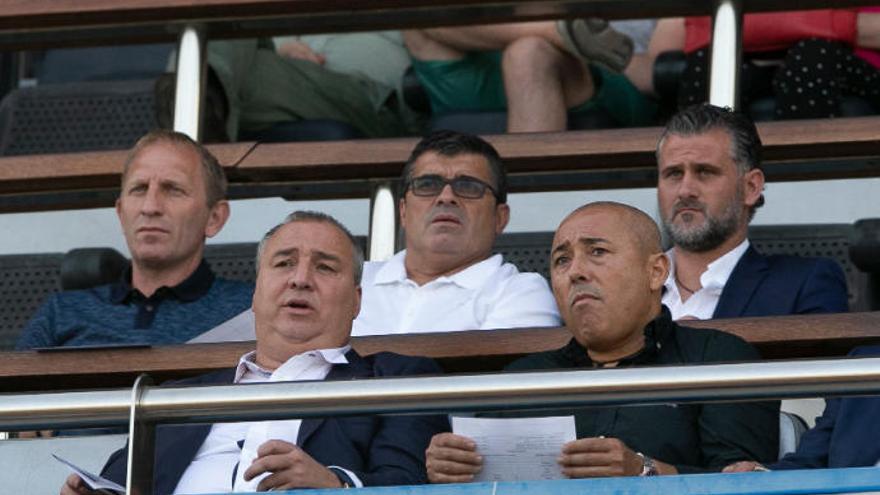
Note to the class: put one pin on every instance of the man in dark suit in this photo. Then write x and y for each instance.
(710, 183)
(846, 435)
(307, 294)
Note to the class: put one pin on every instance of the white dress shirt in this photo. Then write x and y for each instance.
(702, 303)
(489, 294)
(212, 467)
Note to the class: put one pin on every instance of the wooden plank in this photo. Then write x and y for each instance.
(45, 23)
(480, 350)
(89, 170)
(618, 150)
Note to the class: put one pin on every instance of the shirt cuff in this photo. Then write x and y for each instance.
(343, 473)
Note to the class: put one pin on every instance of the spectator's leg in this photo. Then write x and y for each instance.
(492, 37)
(279, 89)
(817, 74)
(542, 83)
(812, 80)
(231, 62)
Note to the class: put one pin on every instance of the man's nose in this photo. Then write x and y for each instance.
(447, 195)
(300, 277)
(688, 187)
(579, 270)
(152, 204)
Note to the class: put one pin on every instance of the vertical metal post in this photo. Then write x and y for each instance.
(383, 222)
(726, 56)
(190, 82)
(141, 444)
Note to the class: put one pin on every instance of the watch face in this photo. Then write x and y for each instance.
(649, 468)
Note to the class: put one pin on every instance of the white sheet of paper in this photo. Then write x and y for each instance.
(94, 481)
(518, 449)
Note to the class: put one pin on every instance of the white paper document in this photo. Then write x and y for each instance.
(518, 449)
(95, 482)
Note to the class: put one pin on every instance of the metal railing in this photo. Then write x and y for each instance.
(145, 406)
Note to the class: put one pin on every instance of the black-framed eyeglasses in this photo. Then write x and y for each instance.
(462, 186)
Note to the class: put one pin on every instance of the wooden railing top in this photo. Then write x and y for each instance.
(480, 350)
(626, 154)
(26, 23)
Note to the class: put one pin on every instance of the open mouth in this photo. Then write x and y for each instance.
(298, 305)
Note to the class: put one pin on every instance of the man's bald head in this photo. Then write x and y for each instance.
(607, 271)
(642, 228)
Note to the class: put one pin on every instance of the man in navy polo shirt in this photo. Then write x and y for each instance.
(172, 199)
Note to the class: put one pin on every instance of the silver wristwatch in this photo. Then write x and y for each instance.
(649, 468)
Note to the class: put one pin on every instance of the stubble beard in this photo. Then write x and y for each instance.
(709, 234)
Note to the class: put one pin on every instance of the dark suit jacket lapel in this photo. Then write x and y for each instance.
(357, 367)
(180, 444)
(742, 284)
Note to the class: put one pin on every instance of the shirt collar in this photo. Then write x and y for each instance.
(192, 288)
(657, 332)
(717, 272)
(472, 277)
(248, 362)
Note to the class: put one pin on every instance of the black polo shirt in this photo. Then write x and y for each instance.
(191, 289)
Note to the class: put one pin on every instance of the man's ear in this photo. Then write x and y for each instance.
(401, 208)
(217, 218)
(357, 303)
(119, 209)
(753, 186)
(658, 271)
(502, 216)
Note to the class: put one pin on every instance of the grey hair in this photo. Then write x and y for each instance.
(316, 216)
(745, 143)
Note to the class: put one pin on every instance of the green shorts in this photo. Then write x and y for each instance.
(474, 84)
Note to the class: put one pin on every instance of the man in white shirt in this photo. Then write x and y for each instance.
(307, 294)
(453, 203)
(710, 184)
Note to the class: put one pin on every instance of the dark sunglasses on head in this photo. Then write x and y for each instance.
(462, 186)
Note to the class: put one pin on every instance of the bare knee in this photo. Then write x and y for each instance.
(422, 46)
(532, 54)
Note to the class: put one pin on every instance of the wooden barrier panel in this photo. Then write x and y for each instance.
(625, 156)
(780, 337)
(26, 24)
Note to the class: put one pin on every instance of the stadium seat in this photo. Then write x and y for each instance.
(26, 281)
(791, 428)
(102, 63)
(71, 117)
(87, 267)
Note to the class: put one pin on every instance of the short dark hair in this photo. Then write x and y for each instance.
(212, 171)
(452, 143)
(745, 143)
(316, 216)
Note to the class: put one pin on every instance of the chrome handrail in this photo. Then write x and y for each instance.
(649, 385)
(544, 389)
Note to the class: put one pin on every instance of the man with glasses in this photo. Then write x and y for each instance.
(453, 204)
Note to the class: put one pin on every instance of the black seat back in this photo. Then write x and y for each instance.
(25, 282)
(72, 117)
